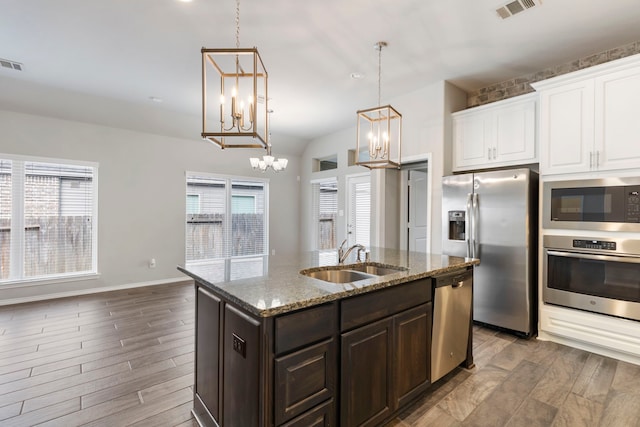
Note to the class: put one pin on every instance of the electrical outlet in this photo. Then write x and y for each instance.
(239, 345)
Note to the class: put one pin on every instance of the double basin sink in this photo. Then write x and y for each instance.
(351, 273)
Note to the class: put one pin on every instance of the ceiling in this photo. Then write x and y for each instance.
(101, 61)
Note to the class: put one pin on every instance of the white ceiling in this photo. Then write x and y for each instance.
(101, 60)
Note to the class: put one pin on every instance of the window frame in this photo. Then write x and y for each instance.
(18, 224)
(229, 179)
(316, 211)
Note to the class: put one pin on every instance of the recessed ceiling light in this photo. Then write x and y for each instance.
(155, 98)
(185, 1)
(356, 76)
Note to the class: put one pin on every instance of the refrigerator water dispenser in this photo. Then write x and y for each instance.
(457, 224)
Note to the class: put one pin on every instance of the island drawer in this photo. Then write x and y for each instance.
(305, 326)
(304, 379)
(367, 308)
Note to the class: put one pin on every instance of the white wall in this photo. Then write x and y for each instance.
(426, 128)
(141, 198)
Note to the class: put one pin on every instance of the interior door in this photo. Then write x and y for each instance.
(417, 226)
(359, 210)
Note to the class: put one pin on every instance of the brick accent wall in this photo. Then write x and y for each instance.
(520, 85)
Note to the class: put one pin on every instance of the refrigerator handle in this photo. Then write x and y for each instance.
(476, 221)
(468, 226)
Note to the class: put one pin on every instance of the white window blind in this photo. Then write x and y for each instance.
(5, 218)
(360, 211)
(47, 219)
(325, 212)
(231, 221)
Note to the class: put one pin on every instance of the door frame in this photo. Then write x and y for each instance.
(407, 163)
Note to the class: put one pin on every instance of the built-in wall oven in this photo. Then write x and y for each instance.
(600, 275)
(605, 204)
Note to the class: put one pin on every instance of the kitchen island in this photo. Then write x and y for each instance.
(275, 347)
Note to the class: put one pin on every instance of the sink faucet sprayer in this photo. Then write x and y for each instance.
(342, 255)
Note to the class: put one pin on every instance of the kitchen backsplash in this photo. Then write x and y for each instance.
(520, 85)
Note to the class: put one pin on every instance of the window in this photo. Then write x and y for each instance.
(193, 204)
(325, 211)
(47, 219)
(359, 209)
(231, 220)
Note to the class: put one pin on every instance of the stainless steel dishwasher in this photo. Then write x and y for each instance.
(452, 301)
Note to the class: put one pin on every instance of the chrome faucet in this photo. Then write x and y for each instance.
(342, 255)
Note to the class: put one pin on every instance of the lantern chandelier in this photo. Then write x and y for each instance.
(268, 161)
(235, 115)
(379, 134)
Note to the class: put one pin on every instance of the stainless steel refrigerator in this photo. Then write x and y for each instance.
(493, 216)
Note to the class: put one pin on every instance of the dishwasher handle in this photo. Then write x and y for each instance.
(455, 280)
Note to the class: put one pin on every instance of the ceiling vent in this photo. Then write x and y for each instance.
(515, 7)
(5, 63)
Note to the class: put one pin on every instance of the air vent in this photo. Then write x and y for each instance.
(5, 63)
(515, 7)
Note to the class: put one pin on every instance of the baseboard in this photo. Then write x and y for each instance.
(80, 292)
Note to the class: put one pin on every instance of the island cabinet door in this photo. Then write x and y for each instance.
(412, 343)
(207, 354)
(366, 366)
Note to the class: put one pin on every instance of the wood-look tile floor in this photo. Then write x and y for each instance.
(125, 358)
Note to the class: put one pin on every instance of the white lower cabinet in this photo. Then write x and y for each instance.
(597, 333)
(498, 134)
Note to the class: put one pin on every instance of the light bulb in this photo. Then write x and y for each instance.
(255, 162)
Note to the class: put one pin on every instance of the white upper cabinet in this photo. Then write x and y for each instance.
(590, 119)
(566, 128)
(499, 134)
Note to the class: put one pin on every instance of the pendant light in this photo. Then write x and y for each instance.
(379, 133)
(268, 161)
(234, 96)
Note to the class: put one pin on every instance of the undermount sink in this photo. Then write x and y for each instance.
(376, 270)
(338, 276)
(351, 273)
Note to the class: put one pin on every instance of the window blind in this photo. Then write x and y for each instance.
(360, 211)
(5, 218)
(325, 212)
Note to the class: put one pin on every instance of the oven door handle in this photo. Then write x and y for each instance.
(618, 258)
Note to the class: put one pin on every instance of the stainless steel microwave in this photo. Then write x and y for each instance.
(606, 204)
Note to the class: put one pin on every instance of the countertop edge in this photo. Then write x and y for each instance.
(271, 312)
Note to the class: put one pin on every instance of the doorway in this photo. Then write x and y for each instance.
(416, 206)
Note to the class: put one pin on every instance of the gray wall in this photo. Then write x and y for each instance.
(141, 212)
(426, 128)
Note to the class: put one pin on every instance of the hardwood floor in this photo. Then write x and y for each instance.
(125, 358)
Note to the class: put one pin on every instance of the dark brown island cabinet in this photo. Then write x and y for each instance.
(355, 361)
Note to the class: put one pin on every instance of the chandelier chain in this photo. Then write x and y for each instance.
(237, 24)
(379, 70)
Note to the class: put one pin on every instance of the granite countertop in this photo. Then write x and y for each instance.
(270, 285)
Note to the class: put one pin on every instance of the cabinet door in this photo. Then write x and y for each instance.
(617, 124)
(566, 128)
(207, 381)
(472, 136)
(367, 358)
(412, 348)
(515, 135)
